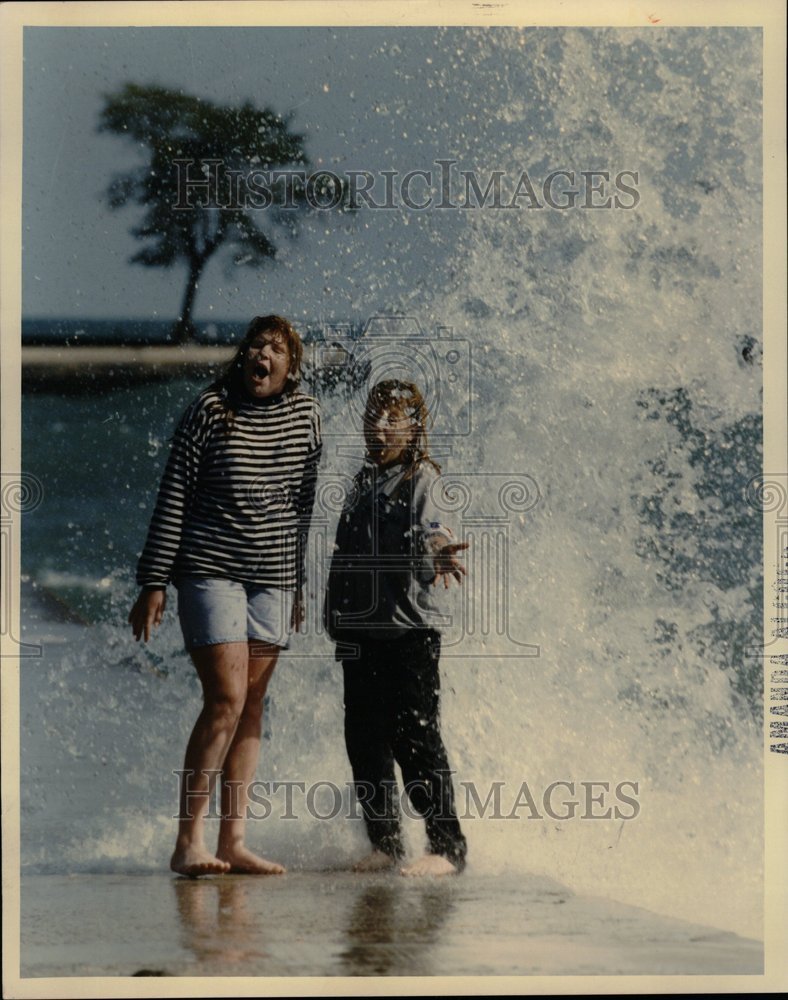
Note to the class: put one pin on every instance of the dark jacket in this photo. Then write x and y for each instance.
(382, 567)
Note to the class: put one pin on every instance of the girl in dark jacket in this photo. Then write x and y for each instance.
(391, 548)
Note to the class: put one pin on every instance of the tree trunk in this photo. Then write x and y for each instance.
(184, 330)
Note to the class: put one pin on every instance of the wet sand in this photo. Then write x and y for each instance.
(341, 924)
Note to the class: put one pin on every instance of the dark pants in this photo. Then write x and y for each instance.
(391, 714)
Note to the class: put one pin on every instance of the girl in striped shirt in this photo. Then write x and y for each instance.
(229, 531)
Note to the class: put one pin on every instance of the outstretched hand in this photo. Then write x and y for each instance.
(147, 612)
(447, 565)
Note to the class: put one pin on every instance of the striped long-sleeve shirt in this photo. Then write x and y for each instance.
(236, 502)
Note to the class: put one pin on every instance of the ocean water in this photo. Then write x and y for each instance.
(595, 380)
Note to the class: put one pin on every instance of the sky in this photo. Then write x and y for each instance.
(365, 98)
(390, 99)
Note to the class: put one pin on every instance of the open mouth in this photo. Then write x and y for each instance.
(260, 371)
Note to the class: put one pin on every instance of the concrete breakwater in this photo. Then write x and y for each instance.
(83, 368)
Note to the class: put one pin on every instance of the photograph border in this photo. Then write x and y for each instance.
(767, 14)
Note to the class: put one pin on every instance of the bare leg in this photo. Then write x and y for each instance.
(223, 672)
(239, 769)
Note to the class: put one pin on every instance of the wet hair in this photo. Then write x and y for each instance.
(230, 383)
(405, 398)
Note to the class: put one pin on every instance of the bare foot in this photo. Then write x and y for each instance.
(377, 861)
(430, 864)
(196, 861)
(242, 861)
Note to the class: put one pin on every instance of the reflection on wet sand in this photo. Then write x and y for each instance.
(393, 929)
(382, 925)
(217, 925)
(342, 924)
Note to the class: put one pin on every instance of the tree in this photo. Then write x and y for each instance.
(196, 186)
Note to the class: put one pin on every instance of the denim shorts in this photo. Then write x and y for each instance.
(213, 610)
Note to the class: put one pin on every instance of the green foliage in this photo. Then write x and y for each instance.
(171, 126)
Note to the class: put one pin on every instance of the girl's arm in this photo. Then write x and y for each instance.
(304, 502)
(176, 491)
(434, 538)
(147, 612)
